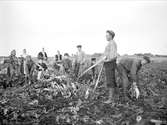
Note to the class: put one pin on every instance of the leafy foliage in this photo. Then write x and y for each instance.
(61, 100)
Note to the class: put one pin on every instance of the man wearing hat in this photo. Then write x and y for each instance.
(23, 57)
(12, 65)
(110, 56)
(79, 60)
(128, 69)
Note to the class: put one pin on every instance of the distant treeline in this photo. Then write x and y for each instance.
(97, 55)
(150, 55)
(161, 55)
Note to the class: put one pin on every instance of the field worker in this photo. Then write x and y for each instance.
(67, 63)
(58, 61)
(21, 65)
(24, 55)
(2, 66)
(79, 61)
(29, 69)
(12, 65)
(40, 56)
(41, 67)
(58, 57)
(128, 69)
(43, 55)
(110, 56)
(94, 69)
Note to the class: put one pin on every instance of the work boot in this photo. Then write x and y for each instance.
(110, 98)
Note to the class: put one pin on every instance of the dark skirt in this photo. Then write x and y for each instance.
(110, 73)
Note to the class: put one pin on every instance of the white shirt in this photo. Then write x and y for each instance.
(110, 50)
(80, 57)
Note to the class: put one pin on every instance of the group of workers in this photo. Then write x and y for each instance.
(126, 67)
(25, 65)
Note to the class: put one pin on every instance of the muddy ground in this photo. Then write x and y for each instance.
(63, 101)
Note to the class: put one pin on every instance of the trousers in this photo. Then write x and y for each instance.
(110, 67)
(124, 77)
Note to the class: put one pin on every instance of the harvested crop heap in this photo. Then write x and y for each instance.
(61, 100)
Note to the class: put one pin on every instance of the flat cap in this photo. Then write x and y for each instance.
(111, 33)
(66, 54)
(79, 46)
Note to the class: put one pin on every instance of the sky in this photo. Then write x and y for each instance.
(140, 26)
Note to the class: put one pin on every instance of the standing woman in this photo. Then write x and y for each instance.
(110, 56)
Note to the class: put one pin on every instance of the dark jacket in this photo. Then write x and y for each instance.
(42, 56)
(67, 64)
(58, 58)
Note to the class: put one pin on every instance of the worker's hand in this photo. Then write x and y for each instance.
(103, 59)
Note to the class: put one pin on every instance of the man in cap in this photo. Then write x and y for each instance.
(128, 69)
(110, 56)
(12, 66)
(14, 62)
(79, 61)
(24, 55)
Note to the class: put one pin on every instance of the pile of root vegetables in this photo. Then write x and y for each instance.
(61, 100)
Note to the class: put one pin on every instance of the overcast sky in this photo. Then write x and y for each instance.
(140, 26)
